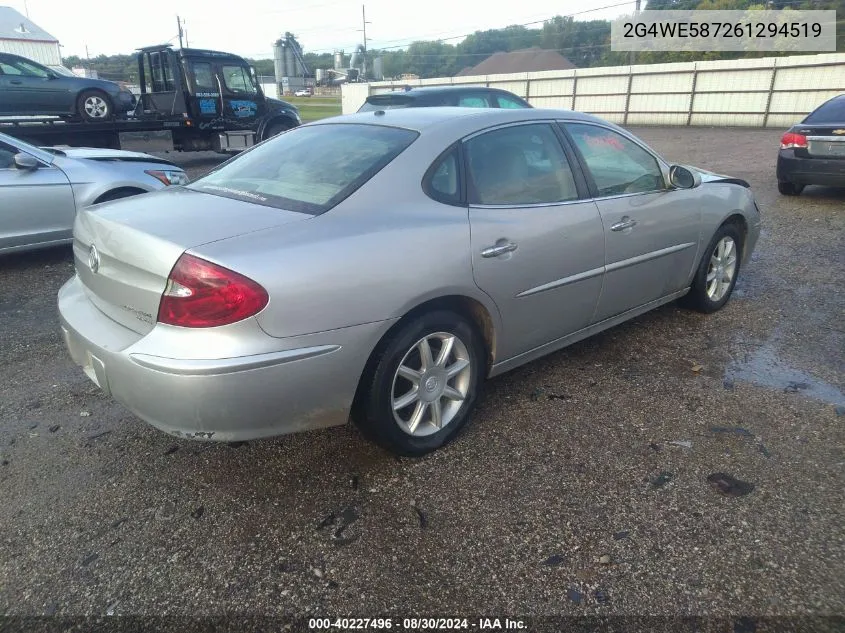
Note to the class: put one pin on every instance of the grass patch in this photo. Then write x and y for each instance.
(316, 112)
(322, 101)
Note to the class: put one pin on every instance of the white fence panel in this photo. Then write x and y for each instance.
(768, 91)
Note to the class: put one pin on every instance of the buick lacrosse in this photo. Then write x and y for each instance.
(380, 266)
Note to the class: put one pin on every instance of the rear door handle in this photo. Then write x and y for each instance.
(17, 82)
(624, 223)
(498, 249)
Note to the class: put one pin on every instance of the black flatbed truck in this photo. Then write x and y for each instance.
(191, 100)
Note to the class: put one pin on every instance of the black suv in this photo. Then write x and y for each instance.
(460, 96)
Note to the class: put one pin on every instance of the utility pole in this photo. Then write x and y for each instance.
(631, 53)
(364, 19)
(179, 24)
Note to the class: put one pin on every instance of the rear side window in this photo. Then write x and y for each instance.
(442, 181)
(832, 111)
(509, 102)
(386, 102)
(473, 101)
(308, 169)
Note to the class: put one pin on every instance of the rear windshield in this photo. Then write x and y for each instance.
(308, 169)
(386, 102)
(831, 112)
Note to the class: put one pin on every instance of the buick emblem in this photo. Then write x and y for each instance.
(94, 259)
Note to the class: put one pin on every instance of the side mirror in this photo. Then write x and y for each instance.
(26, 162)
(683, 178)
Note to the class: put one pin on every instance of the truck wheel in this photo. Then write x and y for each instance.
(275, 128)
(94, 106)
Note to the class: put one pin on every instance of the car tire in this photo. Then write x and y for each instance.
(790, 188)
(714, 280)
(276, 128)
(388, 382)
(94, 106)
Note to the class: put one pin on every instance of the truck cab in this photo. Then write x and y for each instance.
(215, 94)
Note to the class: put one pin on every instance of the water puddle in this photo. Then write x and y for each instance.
(763, 368)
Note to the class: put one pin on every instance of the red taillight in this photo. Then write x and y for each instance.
(202, 294)
(791, 140)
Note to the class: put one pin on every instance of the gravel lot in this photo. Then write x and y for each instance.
(580, 488)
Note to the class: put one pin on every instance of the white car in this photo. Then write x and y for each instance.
(303, 92)
(41, 188)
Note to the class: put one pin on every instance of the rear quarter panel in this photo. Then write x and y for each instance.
(379, 254)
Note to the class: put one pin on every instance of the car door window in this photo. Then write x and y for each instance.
(33, 70)
(203, 77)
(473, 101)
(237, 80)
(520, 165)
(8, 69)
(508, 102)
(617, 164)
(7, 156)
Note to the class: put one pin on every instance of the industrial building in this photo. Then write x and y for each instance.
(21, 36)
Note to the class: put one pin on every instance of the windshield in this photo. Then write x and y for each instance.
(308, 169)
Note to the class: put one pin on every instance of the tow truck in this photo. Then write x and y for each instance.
(191, 100)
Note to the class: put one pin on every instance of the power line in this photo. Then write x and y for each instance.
(458, 37)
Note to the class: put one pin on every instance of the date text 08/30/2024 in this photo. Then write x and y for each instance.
(416, 624)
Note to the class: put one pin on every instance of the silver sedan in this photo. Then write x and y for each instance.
(42, 188)
(380, 266)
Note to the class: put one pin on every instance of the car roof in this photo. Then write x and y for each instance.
(423, 119)
(414, 91)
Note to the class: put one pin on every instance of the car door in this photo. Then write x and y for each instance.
(32, 89)
(38, 205)
(11, 89)
(651, 230)
(537, 243)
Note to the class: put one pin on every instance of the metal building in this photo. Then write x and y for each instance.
(20, 36)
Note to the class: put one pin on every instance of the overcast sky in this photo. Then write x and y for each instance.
(249, 27)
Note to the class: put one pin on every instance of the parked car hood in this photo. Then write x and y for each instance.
(94, 153)
(709, 176)
(278, 104)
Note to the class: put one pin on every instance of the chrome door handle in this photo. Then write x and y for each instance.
(498, 249)
(624, 223)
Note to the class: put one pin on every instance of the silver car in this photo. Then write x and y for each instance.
(41, 189)
(384, 264)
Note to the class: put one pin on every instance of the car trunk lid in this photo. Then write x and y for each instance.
(824, 140)
(124, 251)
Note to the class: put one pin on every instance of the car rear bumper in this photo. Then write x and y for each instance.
(305, 383)
(810, 171)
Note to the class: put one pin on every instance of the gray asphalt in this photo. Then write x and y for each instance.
(580, 487)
